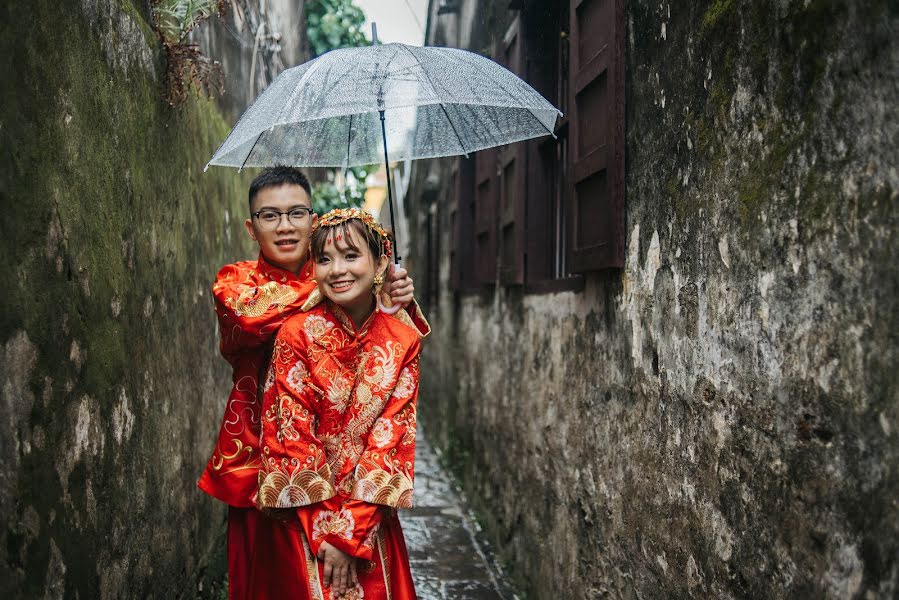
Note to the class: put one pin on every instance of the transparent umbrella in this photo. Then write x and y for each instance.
(340, 110)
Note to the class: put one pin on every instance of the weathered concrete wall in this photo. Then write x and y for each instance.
(239, 39)
(111, 385)
(721, 418)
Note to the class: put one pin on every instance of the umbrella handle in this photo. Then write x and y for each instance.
(385, 302)
(392, 310)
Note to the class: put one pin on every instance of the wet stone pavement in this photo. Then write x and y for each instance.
(448, 560)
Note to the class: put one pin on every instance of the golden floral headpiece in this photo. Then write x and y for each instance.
(342, 215)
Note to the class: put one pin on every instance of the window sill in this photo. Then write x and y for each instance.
(572, 283)
(473, 290)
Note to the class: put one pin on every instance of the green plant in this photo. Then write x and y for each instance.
(332, 24)
(186, 67)
(327, 194)
(174, 19)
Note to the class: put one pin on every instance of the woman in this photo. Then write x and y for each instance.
(338, 435)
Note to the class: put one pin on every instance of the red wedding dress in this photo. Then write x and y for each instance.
(338, 446)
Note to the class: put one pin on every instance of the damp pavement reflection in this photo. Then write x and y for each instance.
(449, 562)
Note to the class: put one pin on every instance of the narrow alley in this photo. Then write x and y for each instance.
(448, 560)
(652, 251)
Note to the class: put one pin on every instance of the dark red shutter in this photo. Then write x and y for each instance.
(596, 194)
(455, 243)
(541, 27)
(434, 256)
(512, 174)
(486, 193)
(541, 198)
(462, 264)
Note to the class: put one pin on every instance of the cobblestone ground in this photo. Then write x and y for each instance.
(448, 562)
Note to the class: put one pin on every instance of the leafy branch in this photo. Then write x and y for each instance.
(328, 195)
(332, 24)
(186, 67)
(177, 18)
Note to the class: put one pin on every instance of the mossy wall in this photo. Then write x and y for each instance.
(719, 419)
(111, 235)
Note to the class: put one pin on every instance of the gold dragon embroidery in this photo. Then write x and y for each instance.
(254, 301)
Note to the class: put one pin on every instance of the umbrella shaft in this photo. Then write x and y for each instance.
(396, 244)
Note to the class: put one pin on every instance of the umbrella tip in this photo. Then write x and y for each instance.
(374, 34)
(206, 168)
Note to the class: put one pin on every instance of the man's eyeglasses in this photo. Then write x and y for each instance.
(269, 219)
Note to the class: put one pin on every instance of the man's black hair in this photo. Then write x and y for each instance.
(276, 177)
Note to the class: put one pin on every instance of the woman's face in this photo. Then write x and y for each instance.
(345, 271)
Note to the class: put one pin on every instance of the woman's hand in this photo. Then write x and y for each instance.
(399, 285)
(339, 568)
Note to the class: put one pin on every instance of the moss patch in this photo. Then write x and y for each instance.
(116, 235)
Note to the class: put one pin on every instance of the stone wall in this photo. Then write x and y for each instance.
(719, 419)
(271, 34)
(112, 389)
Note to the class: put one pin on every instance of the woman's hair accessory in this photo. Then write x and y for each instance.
(342, 215)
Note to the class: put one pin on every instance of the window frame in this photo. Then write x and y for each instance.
(548, 245)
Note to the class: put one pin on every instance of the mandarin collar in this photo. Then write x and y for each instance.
(347, 323)
(283, 275)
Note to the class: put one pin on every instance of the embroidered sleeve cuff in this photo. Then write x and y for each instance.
(301, 488)
(380, 487)
(415, 318)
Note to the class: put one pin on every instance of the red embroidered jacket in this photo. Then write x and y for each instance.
(338, 431)
(252, 300)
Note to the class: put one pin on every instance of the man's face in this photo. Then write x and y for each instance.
(283, 239)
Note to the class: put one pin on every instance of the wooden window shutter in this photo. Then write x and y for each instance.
(512, 171)
(486, 193)
(539, 249)
(545, 186)
(462, 263)
(596, 192)
(455, 215)
(434, 256)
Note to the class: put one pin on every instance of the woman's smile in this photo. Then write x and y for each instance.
(341, 286)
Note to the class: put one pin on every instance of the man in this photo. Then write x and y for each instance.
(252, 299)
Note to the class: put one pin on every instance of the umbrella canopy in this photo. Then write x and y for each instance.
(328, 112)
